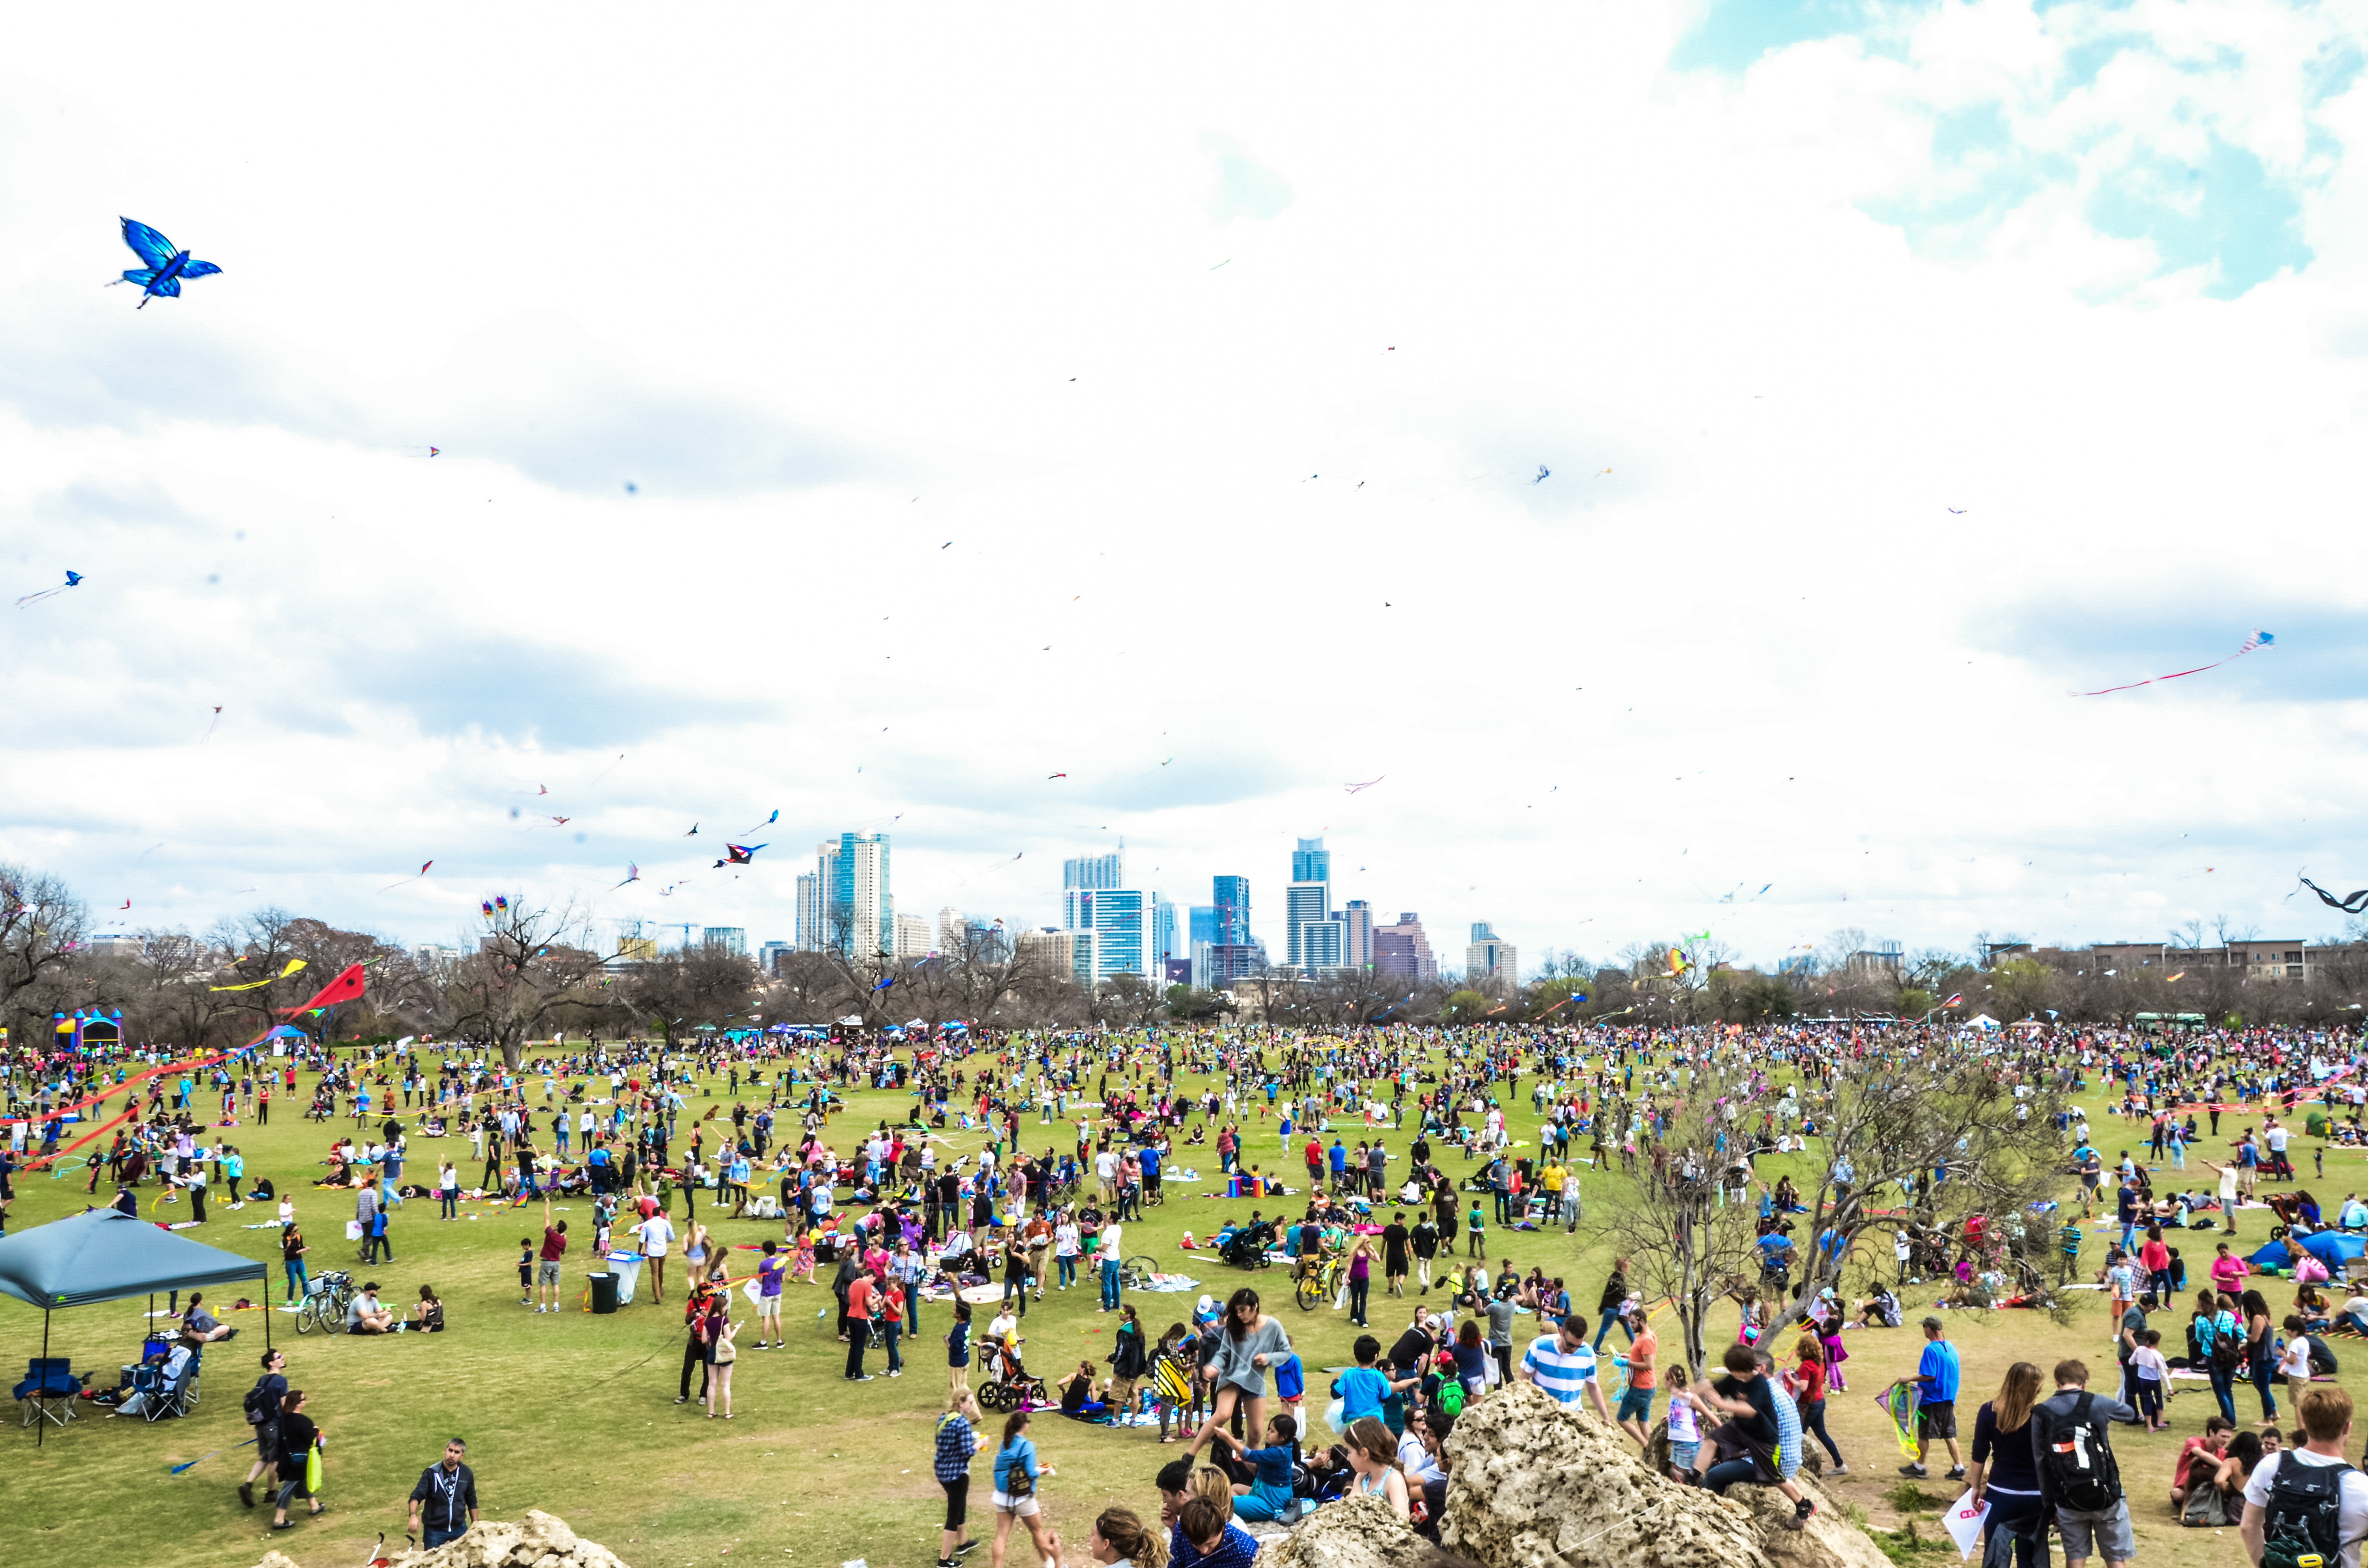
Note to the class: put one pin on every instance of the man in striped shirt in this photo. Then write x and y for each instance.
(1563, 1365)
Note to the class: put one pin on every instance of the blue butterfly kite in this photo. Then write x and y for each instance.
(161, 277)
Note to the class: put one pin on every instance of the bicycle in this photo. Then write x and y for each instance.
(1320, 1285)
(1135, 1273)
(327, 1297)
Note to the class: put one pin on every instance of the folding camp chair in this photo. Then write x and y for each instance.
(50, 1390)
(177, 1397)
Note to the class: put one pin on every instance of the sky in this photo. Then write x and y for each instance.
(1679, 450)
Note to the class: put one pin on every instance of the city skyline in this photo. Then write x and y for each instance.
(1886, 391)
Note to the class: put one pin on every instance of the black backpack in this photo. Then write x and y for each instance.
(260, 1405)
(2076, 1461)
(2304, 1513)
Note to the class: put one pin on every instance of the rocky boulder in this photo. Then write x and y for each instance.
(1355, 1532)
(1537, 1486)
(539, 1541)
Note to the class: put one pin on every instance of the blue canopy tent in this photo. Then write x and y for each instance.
(2272, 1258)
(106, 1256)
(2333, 1248)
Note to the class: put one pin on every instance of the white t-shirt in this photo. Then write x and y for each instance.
(2353, 1523)
(1110, 1242)
(657, 1235)
(1105, 1164)
(2295, 1362)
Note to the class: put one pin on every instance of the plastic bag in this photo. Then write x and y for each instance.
(312, 1472)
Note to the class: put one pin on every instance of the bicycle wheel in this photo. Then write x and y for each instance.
(333, 1314)
(1136, 1272)
(305, 1319)
(1308, 1291)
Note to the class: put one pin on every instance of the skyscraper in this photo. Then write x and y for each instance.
(769, 956)
(1305, 905)
(913, 936)
(813, 928)
(1204, 923)
(1311, 862)
(1232, 903)
(1164, 945)
(862, 910)
(1093, 872)
(1404, 951)
(1490, 961)
(733, 939)
(1357, 934)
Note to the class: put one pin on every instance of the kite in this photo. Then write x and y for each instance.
(1542, 472)
(345, 988)
(73, 580)
(210, 728)
(127, 904)
(1898, 1404)
(767, 821)
(632, 874)
(562, 821)
(608, 770)
(293, 965)
(501, 903)
(693, 833)
(2351, 903)
(1678, 962)
(1956, 1000)
(1367, 784)
(1956, 511)
(423, 871)
(738, 853)
(161, 278)
(885, 984)
(2256, 640)
(487, 908)
(1049, 777)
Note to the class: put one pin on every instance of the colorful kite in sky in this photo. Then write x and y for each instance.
(423, 871)
(161, 278)
(2258, 639)
(739, 854)
(632, 874)
(73, 580)
(293, 965)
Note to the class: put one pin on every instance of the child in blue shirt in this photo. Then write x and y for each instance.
(1364, 1388)
(1268, 1495)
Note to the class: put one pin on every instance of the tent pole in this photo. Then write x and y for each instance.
(267, 1309)
(42, 1438)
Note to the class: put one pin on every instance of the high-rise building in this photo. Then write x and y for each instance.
(1216, 964)
(1304, 904)
(769, 956)
(1311, 862)
(1320, 944)
(1125, 926)
(1050, 950)
(1204, 923)
(913, 935)
(815, 892)
(862, 909)
(1357, 934)
(733, 939)
(1094, 872)
(1165, 948)
(637, 950)
(1233, 903)
(1404, 951)
(952, 924)
(1490, 960)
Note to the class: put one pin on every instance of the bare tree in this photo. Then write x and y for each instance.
(1669, 1218)
(533, 969)
(40, 927)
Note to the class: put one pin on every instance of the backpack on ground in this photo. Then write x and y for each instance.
(2078, 1462)
(2304, 1515)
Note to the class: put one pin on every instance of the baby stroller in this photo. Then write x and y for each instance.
(1008, 1384)
(1246, 1248)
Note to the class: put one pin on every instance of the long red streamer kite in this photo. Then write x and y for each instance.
(347, 987)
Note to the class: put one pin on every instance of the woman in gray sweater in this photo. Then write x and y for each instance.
(1249, 1342)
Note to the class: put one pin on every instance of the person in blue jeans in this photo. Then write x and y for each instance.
(1268, 1495)
(1107, 1254)
(445, 1501)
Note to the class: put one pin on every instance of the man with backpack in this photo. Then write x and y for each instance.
(2308, 1501)
(2078, 1475)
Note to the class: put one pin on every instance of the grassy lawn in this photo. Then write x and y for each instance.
(574, 1413)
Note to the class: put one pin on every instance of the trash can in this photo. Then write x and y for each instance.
(604, 1292)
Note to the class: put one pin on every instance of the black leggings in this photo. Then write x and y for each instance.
(1813, 1419)
(2027, 1515)
(695, 1354)
(957, 1502)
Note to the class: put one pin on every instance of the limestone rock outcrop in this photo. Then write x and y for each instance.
(1535, 1485)
(1356, 1532)
(539, 1541)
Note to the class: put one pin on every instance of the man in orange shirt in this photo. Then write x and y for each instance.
(859, 1297)
(1635, 1414)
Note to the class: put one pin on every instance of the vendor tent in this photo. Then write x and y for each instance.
(2272, 1258)
(105, 1255)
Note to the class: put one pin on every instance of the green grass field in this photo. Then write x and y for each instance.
(573, 1413)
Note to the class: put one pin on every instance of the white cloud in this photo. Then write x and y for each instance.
(837, 298)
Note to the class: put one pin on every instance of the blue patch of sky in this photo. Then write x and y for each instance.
(2226, 213)
(1733, 34)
